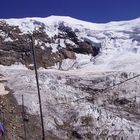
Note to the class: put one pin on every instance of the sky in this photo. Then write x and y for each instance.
(99, 11)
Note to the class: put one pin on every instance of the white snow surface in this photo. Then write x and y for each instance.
(28, 23)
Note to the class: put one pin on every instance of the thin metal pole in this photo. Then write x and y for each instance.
(37, 82)
(23, 115)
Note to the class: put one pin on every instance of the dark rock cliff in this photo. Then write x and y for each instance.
(15, 46)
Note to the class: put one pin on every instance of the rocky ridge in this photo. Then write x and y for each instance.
(15, 47)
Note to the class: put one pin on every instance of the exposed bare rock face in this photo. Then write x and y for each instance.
(15, 46)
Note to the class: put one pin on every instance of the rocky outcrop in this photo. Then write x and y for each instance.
(15, 46)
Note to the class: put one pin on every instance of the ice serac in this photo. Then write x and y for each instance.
(76, 61)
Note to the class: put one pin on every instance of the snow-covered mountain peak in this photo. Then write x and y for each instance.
(54, 20)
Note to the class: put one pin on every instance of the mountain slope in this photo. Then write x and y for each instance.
(76, 62)
(118, 41)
